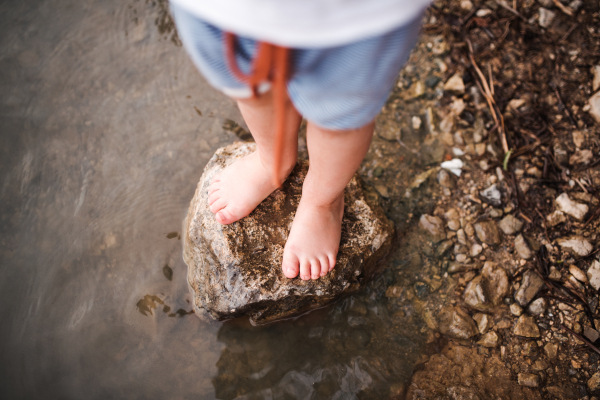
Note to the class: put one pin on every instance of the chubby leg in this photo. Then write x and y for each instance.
(314, 240)
(236, 191)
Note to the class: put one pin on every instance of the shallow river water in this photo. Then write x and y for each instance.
(105, 127)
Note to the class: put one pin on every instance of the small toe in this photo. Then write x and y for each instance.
(332, 260)
(290, 265)
(304, 269)
(216, 178)
(324, 261)
(213, 188)
(225, 217)
(217, 205)
(213, 197)
(315, 269)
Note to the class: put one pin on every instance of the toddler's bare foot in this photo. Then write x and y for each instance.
(313, 243)
(236, 191)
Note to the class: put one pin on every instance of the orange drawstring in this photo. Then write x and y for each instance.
(269, 64)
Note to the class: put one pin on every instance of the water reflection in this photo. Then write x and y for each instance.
(346, 351)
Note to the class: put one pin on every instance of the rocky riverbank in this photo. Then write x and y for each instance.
(507, 280)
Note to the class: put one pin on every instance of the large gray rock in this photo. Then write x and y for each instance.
(235, 269)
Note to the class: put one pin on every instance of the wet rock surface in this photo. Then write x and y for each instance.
(459, 372)
(457, 323)
(434, 226)
(235, 269)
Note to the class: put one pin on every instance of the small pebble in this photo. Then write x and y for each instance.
(516, 310)
(476, 249)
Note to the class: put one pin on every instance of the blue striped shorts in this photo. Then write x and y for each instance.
(336, 88)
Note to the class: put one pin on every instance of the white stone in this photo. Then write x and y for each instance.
(510, 225)
(515, 104)
(581, 156)
(596, 82)
(455, 166)
(458, 106)
(483, 322)
(538, 306)
(568, 206)
(594, 107)
(454, 224)
(576, 244)
(416, 123)
(490, 339)
(516, 310)
(466, 5)
(476, 250)
(577, 273)
(593, 274)
(578, 138)
(455, 84)
(461, 258)
(557, 217)
(417, 90)
(546, 17)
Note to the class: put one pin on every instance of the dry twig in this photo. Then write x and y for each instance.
(563, 8)
(488, 93)
(568, 33)
(581, 338)
(503, 4)
(558, 288)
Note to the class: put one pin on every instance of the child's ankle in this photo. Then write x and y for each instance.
(279, 174)
(320, 196)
